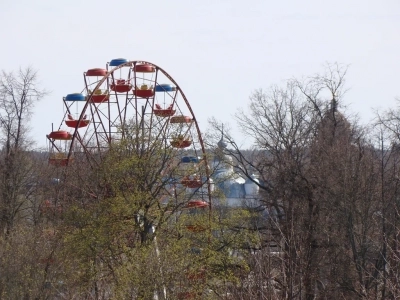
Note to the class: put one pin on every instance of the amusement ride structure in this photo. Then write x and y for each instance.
(138, 105)
(142, 97)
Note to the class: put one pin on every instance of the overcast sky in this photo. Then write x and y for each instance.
(219, 51)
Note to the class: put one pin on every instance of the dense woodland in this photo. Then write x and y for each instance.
(327, 226)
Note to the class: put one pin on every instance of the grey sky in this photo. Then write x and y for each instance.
(218, 51)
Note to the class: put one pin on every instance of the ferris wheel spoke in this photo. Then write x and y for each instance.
(97, 124)
(116, 98)
(86, 151)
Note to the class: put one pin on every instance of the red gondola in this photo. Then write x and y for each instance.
(144, 91)
(180, 142)
(48, 207)
(181, 119)
(121, 86)
(71, 122)
(192, 182)
(164, 112)
(195, 228)
(160, 112)
(99, 97)
(144, 68)
(96, 72)
(60, 135)
(196, 275)
(196, 204)
(186, 296)
(58, 162)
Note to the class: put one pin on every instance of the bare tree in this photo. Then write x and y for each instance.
(320, 178)
(387, 140)
(18, 94)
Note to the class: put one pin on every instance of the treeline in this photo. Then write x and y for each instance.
(333, 186)
(326, 226)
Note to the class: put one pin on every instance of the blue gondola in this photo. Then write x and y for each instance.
(165, 87)
(190, 159)
(75, 97)
(118, 61)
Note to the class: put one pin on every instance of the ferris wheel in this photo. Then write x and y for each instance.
(139, 101)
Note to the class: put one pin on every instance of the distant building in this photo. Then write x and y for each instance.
(237, 191)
